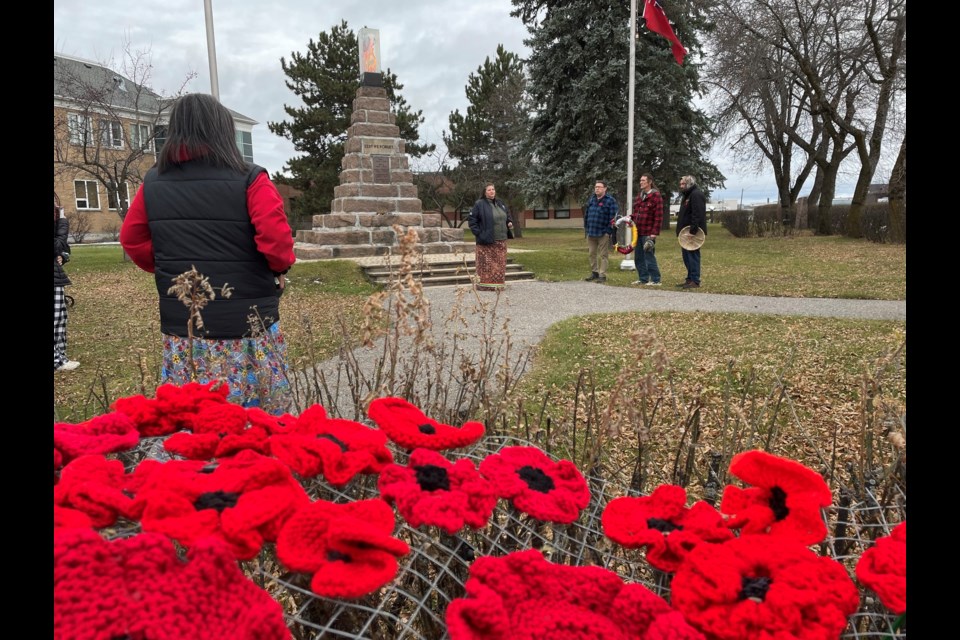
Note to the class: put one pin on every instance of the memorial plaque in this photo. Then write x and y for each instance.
(381, 146)
(381, 169)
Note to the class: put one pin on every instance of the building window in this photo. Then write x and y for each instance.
(124, 192)
(111, 132)
(541, 214)
(160, 136)
(561, 214)
(245, 144)
(87, 195)
(140, 137)
(81, 129)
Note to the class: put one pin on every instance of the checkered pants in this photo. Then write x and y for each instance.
(59, 327)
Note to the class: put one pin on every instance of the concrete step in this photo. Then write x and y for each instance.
(446, 272)
(459, 278)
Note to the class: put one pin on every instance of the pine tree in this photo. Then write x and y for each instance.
(486, 142)
(578, 82)
(326, 78)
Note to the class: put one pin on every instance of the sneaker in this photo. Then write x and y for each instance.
(692, 285)
(639, 282)
(652, 284)
(69, 365)
(593, 276)
(601, 279)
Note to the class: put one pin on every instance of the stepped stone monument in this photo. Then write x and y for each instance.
(376, 186)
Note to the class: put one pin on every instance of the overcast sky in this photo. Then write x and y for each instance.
(432, 46)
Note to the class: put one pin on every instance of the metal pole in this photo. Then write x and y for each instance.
(212, 49)
(628, 205)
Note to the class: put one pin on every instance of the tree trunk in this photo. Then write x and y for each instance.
(898, 196)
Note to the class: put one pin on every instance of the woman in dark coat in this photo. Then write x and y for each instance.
(491, 226)
(61, 253)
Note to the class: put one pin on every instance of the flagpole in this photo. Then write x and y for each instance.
(628, 263)
(211, 49)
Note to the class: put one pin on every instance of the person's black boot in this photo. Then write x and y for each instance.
(593, 276)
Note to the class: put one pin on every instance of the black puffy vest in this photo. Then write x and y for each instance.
(198, 217)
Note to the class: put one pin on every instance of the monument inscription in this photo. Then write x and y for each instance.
(381, 169)
(371, 146)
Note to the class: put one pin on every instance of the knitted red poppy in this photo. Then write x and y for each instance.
(883, 569)
(138, 588)
(68, 518)
(348, 547)
(108, 433)
(431, 490)
(244, 500)
(410, 428)
(219, 431)
(547, 490)
(174, 408)
(94, 486)
(339, 449)
(663, 524)
(522, 595)
(785, 499)
(763, 587)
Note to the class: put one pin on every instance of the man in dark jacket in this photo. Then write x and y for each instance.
(693, 213)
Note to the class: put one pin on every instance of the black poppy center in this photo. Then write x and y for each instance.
(210, 468)
(430, 477)
(663, 526)
(778, 503)
(337, 556)
(218, 500)
(335, 440)
(428, 429)
(222, 434)
(754, 588)
(536, 479)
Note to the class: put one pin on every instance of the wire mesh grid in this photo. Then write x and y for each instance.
(413, 605)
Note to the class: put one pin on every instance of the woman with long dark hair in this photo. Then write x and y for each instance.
(203, 211)
(491, 226)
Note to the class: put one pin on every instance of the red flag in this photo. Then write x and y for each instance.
(658, 23)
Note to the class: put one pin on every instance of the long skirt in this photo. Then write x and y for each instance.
(255, 368)
(491, 265)
(59, 327)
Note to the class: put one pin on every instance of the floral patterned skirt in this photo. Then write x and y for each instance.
(491, 265)
(255, 368)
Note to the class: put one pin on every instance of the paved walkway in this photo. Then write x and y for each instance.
(530, 307)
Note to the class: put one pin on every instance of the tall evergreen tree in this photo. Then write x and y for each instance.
(326, 78)
(486, 141)
(578, 73)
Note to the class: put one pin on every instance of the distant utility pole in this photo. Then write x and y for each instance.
(211, 49)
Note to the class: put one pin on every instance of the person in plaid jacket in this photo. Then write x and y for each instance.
(648, 216)
(599, 224)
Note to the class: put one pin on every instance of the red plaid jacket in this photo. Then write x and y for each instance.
(648, 213)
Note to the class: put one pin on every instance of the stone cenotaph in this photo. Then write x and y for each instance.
(376, 188)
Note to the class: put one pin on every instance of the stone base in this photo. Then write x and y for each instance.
(311, 251)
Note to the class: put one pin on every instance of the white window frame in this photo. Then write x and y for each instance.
(141, 137)
(80, 128)
(111, 133)
(124, 196)
(240, 144)
(86, 201)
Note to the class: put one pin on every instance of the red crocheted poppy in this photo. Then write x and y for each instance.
(104, 434)
(138, 588)
(547, 490)
(219, 431)
(763, 587)
(663, 524)
(68, 518)
(174, 408)
(785, 499)
(410, 428)
(430, 490)
(339, 449)
(883, 569)
(522, 595)
(244, 500)
(94, 485)
(348, 548)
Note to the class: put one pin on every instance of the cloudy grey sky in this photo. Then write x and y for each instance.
(432, 46)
